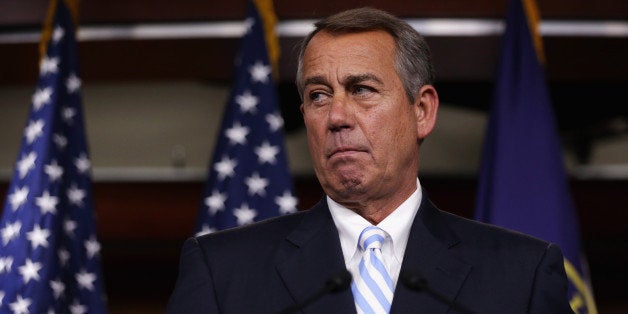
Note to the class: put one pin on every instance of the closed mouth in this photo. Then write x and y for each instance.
(345, 150)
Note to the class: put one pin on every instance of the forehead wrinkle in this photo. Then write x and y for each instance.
(353, 79)
(315, 80)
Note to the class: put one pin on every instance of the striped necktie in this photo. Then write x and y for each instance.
(372, 287)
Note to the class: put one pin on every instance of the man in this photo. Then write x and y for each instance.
(365, 80)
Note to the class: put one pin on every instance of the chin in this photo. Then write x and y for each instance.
(346, 181)
(347, 188)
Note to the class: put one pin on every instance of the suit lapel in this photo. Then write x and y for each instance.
(429, 255)
(309, 257)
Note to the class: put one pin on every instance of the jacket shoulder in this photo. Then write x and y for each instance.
(270, 230)
(491, 236)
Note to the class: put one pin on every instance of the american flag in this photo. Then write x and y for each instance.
(249, 178)
(49, 254)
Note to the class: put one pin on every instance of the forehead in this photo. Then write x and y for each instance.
(365, 51)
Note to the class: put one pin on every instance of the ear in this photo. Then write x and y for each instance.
(425, 108)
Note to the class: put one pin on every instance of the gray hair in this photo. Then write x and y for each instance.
(413, 61)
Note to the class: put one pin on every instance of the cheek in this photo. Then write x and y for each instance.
(395, 134)
(312, 119)
(315, 138)
(313, 142)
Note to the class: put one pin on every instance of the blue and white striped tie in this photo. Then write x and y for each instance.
(372, 288)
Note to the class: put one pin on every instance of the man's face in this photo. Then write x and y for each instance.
(362, 130)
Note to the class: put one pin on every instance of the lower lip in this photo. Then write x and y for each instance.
(346, 153)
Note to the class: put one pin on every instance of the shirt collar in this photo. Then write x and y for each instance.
(397, 224)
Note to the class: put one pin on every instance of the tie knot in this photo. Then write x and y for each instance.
(371, 238)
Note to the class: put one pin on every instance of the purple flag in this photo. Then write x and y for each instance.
(522, 183)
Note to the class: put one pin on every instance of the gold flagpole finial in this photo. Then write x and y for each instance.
(269, 20)
(534, 20)
(46, 33)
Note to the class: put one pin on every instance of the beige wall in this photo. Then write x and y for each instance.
(147, 129)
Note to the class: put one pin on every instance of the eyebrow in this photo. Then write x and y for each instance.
(349, 80)
(356, 79)
(314, 80)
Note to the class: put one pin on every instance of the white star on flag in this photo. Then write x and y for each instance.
(41, 97)
(20, 306)
(266, 153)
(247, 101)
(73, 83)
(57, 287)
(248, 24)
(1, 296)
(260, 72)
(58, 33)
(64, 257)
(34, 130)
(68, 113)
(287, 203)
(5, 264)
(256, 184)
(49, 65)
(86, 280)
(18, 197)
(225, 167)
(11, 231)
(82, 163)
(76, 195)
(53, 170)
(216, 202)
(38, 237)
(26, 164)
(245, 214)
(69, 226)
(237, 134)
(275, 121)
(92, 246)
(47, 203)
(77, 308)
(205, 230)
(60, 140)
(30, 271)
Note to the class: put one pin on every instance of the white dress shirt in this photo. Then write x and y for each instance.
(397, 227)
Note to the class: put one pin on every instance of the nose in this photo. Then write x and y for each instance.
(341, 114)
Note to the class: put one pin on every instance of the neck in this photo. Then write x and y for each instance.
(374, 210)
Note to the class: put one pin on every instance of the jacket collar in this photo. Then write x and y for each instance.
(310, 256)
(430, 255)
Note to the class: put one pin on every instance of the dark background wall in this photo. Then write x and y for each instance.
(142, 224)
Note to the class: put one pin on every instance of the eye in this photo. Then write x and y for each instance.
(362, 90)
(314, 96)
(317, 96)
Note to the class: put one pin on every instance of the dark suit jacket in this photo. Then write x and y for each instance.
(269, 266)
